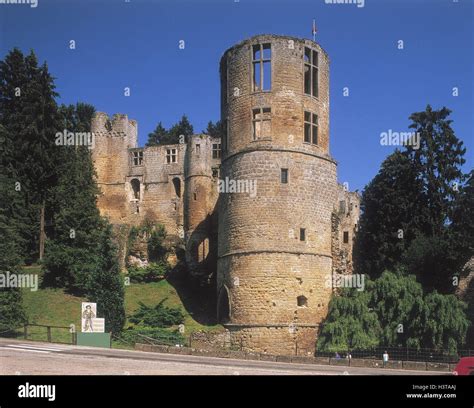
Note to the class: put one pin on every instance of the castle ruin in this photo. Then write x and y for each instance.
(273, 249)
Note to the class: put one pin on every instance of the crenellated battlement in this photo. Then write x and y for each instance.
(117, 126)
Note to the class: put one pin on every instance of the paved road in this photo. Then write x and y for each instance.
(34, 358)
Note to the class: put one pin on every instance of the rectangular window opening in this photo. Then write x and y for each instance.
(137, 158)
(267, 76)
(302, 234)
(257, 79)
(262, 67)
(284, 176)
(216, 150)
(311, 72)
(307, 79)
(311, 128)
(262, 124)
(171, 156)
(346, 237)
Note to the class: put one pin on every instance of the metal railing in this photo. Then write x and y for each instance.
(403, 354)
(48, 333)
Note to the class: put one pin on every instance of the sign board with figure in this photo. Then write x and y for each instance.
(90, 323)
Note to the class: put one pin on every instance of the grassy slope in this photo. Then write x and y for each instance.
(54, 307)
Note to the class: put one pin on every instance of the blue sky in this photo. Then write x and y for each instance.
(135, 44)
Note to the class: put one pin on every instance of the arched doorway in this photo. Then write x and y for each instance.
(135, 183)
(223, 305)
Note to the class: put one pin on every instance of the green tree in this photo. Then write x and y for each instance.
(105, 286)
(408, 208)
(12, 314)
(462, 226)
(398, 302)
(392, 216)
(156, 250)
(174, 135)
(157, 137)
(81, 256)
(14, 81)
(217, 129)
(77, 118)
(446, 325)
(438, 161)
(393, 312)
(41, 121)
(350, 324)
(433, 261)
(29, 114)
(76, 219)
(182, 128)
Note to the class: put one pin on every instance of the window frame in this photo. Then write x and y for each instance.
(136, 158)
(344, 235)
(216, 151)
(313, 84)
(261, 61)
(313, 124)
(302, 234)
(266, 116)
(171, 155)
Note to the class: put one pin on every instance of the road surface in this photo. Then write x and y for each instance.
(35, 358)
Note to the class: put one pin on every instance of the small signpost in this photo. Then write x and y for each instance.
(92, 328)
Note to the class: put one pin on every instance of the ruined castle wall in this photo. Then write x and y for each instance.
(113, 138)
(161, 182)
(347, 212)
(163, 197)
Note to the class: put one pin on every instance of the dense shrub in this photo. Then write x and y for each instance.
(157, 316)
(162, 336)
(153, 272)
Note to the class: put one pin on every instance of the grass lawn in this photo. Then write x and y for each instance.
(152, 293)
(55, 307)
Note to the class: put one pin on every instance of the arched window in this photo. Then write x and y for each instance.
(135, 183)
(177, 186)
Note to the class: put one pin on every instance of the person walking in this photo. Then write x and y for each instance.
(385, 358)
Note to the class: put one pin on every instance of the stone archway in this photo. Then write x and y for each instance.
(135, 184)
(223, 305)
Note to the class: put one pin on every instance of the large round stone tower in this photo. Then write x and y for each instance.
(274, 249)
